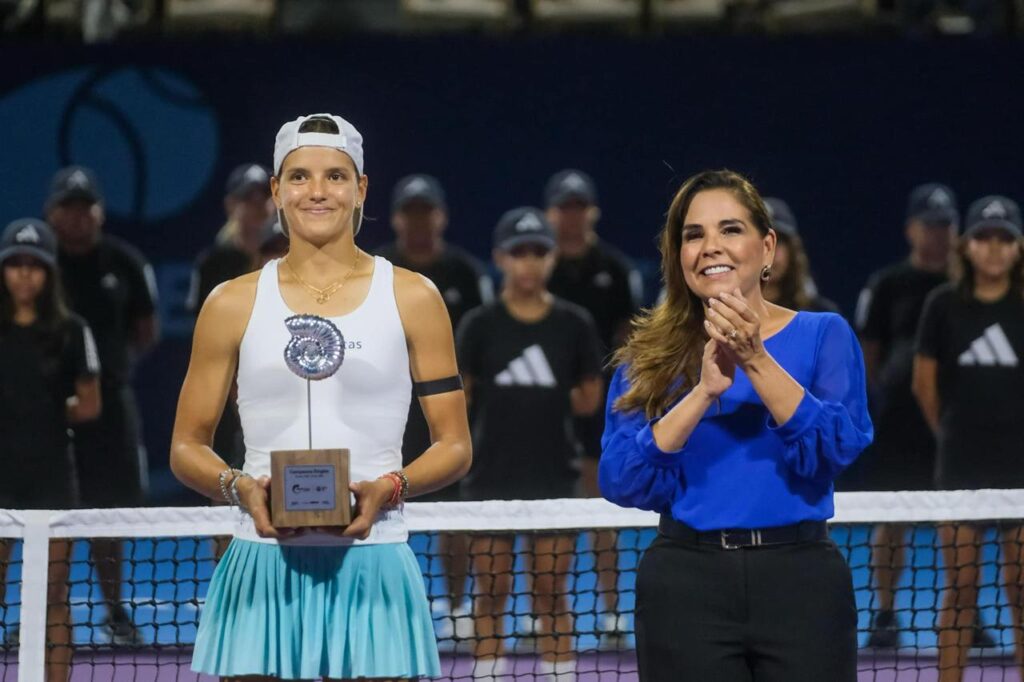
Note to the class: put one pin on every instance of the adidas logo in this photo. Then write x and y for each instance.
(529, 369)
(574, 181)
(995, 209)
(529, 223)
(990, 349)
(416, 185)
(938, 198)
(255, 174)
(78, 179)
(28, 234)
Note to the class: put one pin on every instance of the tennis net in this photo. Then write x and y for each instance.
(568, 568)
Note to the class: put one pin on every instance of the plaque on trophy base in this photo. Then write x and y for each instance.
(309, 488)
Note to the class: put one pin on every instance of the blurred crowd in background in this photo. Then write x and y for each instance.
(78, 309)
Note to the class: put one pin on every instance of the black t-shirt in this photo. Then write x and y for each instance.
(38, 371)
(463, 284)
(459, 277)
(888, 313)
(215, 265)
(112, 287)
(604, 283)
(978, 348)
(523, 373)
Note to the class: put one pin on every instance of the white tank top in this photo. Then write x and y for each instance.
(363, 407)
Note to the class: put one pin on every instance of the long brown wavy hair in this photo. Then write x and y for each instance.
(791, 287)
(962, 270)
(664, 349)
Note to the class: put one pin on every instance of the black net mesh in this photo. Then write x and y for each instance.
(550, 604)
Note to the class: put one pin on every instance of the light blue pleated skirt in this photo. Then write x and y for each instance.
(304, 612)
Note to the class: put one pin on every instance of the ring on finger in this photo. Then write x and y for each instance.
(733, 334)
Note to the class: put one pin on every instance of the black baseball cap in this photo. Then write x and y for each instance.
(29, 237)
(524, 225)
(781, 216)
(418, 187)
(994, 211)
(933, 203)
(74, 183)
(247, 177)
(570, 184)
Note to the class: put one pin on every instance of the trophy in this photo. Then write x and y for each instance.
(310, 487)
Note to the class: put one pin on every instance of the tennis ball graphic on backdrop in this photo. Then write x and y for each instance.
(148, 133)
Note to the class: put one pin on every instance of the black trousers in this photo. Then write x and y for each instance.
(111, 465)
(778, 613)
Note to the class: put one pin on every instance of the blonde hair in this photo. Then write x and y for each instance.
(663, 352)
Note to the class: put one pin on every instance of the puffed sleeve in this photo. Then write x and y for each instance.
(831, 426)
(633, 470)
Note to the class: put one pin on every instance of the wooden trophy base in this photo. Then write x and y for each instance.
(309, 488)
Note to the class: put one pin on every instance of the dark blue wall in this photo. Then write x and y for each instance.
(840, 128)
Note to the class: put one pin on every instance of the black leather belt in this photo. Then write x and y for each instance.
(805, 531)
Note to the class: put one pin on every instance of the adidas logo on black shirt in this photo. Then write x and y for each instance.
(991, 348)
(531, 368)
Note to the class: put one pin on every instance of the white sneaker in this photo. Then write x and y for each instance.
(464, 626)
(555, 671)
(529, 626)
(492, 669)
(614, 632)
(614, 622)
(440, 606)
(444, 628)
(528, 629)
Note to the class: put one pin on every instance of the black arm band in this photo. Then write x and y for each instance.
(424, 388)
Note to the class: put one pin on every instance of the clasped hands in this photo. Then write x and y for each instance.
(735, 331)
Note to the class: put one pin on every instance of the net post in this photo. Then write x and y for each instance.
(34, 574)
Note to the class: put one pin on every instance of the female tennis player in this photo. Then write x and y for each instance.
(969, 381)
(731, 416)
(289, 604)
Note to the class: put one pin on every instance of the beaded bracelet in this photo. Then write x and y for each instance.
(401, 492)
(401, 488)
(395, 492)
(222, 480)
(233, 489)
(405, 483)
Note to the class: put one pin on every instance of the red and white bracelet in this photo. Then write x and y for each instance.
(400, 489)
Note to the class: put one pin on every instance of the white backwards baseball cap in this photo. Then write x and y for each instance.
(347, 140)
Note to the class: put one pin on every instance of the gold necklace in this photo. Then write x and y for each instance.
(321, 296)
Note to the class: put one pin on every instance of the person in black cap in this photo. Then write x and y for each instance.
(969, 381)
(593, 274)
(419, 217)
(790, 283)
(235, 252)
(248, 208)
(530, 362)
(112, 286)
(902, 456)
(49, 381)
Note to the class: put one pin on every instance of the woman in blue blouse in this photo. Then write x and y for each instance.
(731, 416)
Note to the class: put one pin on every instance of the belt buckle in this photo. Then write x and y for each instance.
(746, 538)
